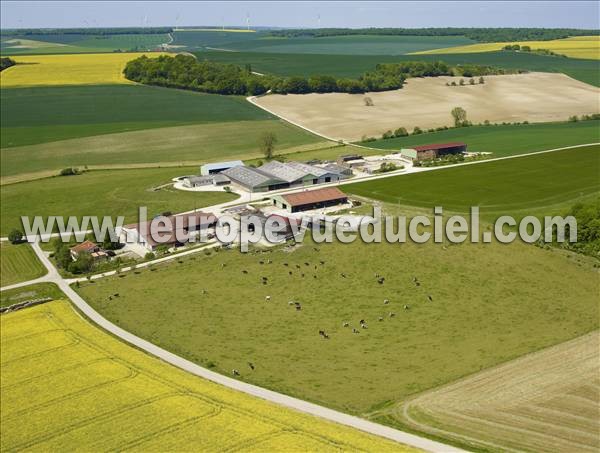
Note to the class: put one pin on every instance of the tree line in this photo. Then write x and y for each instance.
(6, 62)
(476, 34)
(87, 31)
(186, 72)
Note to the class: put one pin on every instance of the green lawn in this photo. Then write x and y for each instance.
(525, 185)
(491, 303)
(45, 114)
(18, 264)
(30, 292)
(100, 193)
(504, 140)
(189, 144)
(355, 65)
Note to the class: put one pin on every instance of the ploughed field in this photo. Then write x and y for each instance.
(547, 402)
(427, 102)
(81, 389)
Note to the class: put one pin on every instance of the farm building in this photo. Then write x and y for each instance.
(182, 228)
(347, 158)
(218, 167)
(344, 172)
(254, 180)
(88, 247)
(434, 151)
(217, 179)
(281, 175)
(310, 199)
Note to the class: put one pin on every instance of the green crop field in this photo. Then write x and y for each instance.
(100, 193)
(218, 315)
(354, 66)
(39, 115)
(540, 183)
(18, 263)
(78, 43)
(81, 389)
(170, 145)
(504, 140)
(30, 292)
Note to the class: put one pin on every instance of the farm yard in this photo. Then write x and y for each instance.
(80, 388)
(427, 102)
(548, 402)
(18, 263)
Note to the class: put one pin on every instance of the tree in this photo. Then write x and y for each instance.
(471, 81)
(462, 82)
(15, 236)
(387, 134)
(417, 130)
(368, 102)
(460, 116)
(267, 143)
(400, 132)
(481, 80)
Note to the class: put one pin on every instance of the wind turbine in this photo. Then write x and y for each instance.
(247, 22)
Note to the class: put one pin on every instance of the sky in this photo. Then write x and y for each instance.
(410, 14)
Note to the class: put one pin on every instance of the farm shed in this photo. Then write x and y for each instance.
(344, 172)
(323, 175)
(345, 159)
(434, 151)
(254, 180)
(218, 167)
(292, 175)
(310, 199)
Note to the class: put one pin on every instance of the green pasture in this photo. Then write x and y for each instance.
(102, 193)
(167, 145)
(354, 65)
(504, 140)
(490, 303)
(18, 264)
(30, 292)
(40, 115)
(545, 184)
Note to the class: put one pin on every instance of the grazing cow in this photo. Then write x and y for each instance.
(315, 249)
(222, 265)
(265, 278)
(326, 336)
(269, 261)
(235, 372)
(354, 330)
(343, 275)
(345, 324)
(392, 314)
(362, 321)
(267, 298)
(314, 276)
(290, 272)
(297, 266)
(109, 297)
(430, 298)
(380, 280)
(406, 307)
(322, 262)
(264, 282)
(307, 264)
(298, 307)
(251, 365)
(291, 302)
(285, 264)
(244, 271)
(364, 326)
(377, 275)
(116, 294)
(417, 284)
(261, 262)
(380, 318)
(386, 301)
(302, 275)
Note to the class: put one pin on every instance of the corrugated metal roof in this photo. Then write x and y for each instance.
(283, 171)
(217, 165)
(308, 169)
(314, 196)
(437, 146)
(250, 177)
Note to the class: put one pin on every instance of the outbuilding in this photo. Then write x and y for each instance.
(218, 167)
(310, 199)
(434, 151)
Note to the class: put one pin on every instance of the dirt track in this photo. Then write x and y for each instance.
(546, 401)
(427, 102)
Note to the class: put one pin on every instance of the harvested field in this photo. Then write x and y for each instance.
(67, 386)
(545, 402)
(18, 264)
(427, 102)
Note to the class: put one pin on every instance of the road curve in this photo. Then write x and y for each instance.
(274, 397)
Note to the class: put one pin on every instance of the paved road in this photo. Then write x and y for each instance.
(274, 397)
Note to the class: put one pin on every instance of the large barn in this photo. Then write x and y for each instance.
(310, 199)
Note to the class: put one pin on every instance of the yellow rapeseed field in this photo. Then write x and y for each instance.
(71, 69)
(577, 47)
(66, 385)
